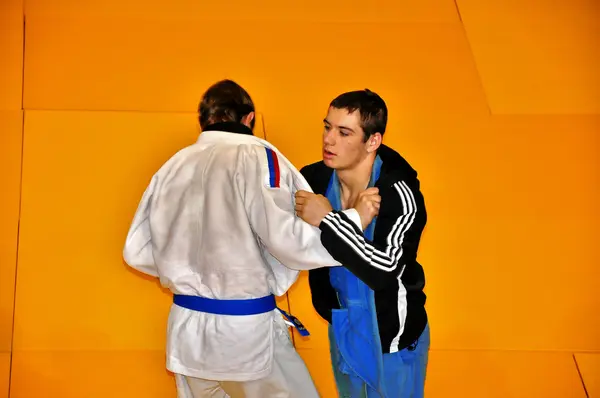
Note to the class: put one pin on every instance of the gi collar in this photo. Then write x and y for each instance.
(230, 127)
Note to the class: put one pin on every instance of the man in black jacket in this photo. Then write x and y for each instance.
(375, 304)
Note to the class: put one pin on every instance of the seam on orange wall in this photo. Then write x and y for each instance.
(12, 334)
(157, 111)
(510, 350)
(580, 376)
(462, 24)
(458, 11)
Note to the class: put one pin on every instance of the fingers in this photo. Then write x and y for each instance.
(371, 198)
(374, 203)
(370, 194)
(300, 202)
(303, 194)
(375, 198)
(303, 197)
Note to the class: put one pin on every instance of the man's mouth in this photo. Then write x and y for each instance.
(328, 154)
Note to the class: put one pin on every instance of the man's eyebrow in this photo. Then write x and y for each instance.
(340, 127)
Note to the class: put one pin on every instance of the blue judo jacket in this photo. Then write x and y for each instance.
(356, 346)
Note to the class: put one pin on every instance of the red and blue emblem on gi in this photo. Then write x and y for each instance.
(273, 168)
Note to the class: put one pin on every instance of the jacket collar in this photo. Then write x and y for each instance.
(228, 132)
(230, 127)
(394, 163)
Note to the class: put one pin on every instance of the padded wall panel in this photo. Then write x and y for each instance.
(10, 179)
(91, 374)
(311, 10)
(151, 64)
(84, 174)
(4, 374)
(512, 204)
(535, 56)
(11, 54)
(589, 367)
(508, 374)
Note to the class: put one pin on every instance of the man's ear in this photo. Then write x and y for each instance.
(374, 142)
(247, 120)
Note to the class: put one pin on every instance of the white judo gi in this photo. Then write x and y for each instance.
(218, 221)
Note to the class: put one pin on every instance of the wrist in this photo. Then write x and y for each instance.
(355, 217)
(321, 223)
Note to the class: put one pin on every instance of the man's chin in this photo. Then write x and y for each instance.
(329, 163)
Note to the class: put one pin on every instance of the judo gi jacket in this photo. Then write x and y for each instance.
(217, 221)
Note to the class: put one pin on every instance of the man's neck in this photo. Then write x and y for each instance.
(355, 180)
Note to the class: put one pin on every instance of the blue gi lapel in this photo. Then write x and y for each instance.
(354, 335)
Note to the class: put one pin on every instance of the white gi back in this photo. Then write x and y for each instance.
(212, 224)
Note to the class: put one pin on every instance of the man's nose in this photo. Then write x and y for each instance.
(329, 138)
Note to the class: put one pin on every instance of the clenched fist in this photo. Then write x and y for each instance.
(311, 207)
(367, 205)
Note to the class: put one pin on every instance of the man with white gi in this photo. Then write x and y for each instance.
(217, 225)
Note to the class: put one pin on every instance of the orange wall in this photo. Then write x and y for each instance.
(495, 103)
(11, 123)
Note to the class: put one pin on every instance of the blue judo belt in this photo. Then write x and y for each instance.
(237, 307)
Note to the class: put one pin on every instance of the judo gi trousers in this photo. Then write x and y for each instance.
(289, 378)
(404, 372)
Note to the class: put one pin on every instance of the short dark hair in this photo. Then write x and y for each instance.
(224, 101)
(372, 109)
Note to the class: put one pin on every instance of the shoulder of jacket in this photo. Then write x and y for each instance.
(314, 169)
(390, 182)
(274, 170)
(317, 175)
